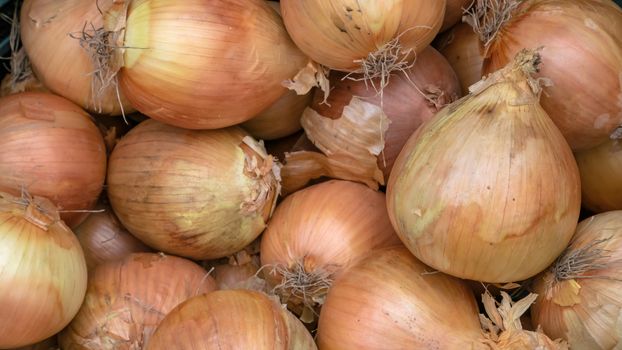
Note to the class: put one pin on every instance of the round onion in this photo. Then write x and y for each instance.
(318, 232)
(581, 295)
(355, 36)
(104, 239)
(43, 274)
(51, 32)
(51, 148)
(601, 176)
(199, 194)
(488, 189)
(582, 56)
(127, 299)
(231, 319)
(453, 12)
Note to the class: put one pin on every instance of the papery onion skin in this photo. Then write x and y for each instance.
(51, 148)
(338, 33)
(228, 320)
(582, 56)
(192, 193)
(488, 189)
(601, 176)
(453, 12)
(48, 28)
(390, 301)
(585, 310)
(204, 58)
(127, 299)
(43, 275)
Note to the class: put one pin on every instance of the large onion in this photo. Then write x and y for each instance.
(127, 299)
(50, 32)
(582, 56)
(232, 319)
(488, 189)
(199, 194)
(42, 274)
(453, 12)
(581, 295)
(318, 232)
(51, 148)
(601, 176)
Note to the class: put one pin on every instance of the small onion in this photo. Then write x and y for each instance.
(49, 31)
(103, 238)
(453, 12)
(601, 176)
(51, 148)
(199, 194)
(43, 272)
(127, 299)
(231, 319)
(488, 189)
(318, 232)
(581, 295)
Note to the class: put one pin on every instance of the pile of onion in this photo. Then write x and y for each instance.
(127, 299)
(318, 232)
(43, 275)
(51, 148)
(601, 176)
(53, 33)
(582, 56)
(581, 294)
(202, 194)
(488, 189)
(390, 300)
(231, 319)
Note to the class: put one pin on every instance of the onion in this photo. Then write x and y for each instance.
(104, 239)
(50, 32)
(51, 148)
(601, 176)
(580, 295)
(318, 232)
(488, 189)
(198, 194)
(371, 37)
(240, 270)
(127, 299)
(48, 344)
(281, 119)
(360, 131)
(232, 319)
(582, 56)
(461, 47)
(43, 274)
(453, 12)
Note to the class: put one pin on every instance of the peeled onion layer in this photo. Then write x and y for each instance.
(127, 299)
(202, 194)
(581, 55)
(228, 320)
(488, 189)
(601, 176)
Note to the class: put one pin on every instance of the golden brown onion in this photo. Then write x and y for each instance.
(601, 176)
(127, 299)
(51, 148)
(453, 12)
(199, 194)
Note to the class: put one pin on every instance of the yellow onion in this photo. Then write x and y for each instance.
(281, 119)
(231, 319)
(48, 344)
(203, 194)
(318, 232)
(453, 12)
(582, 56)
(103, 238)
(601, 176)
(488, 189)
(581, 294)
(199, 64)
(361, 132)
(51, 31)
(43, 274)
(372, 37)
(51, 148)
(127, 299)
(460, 45)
